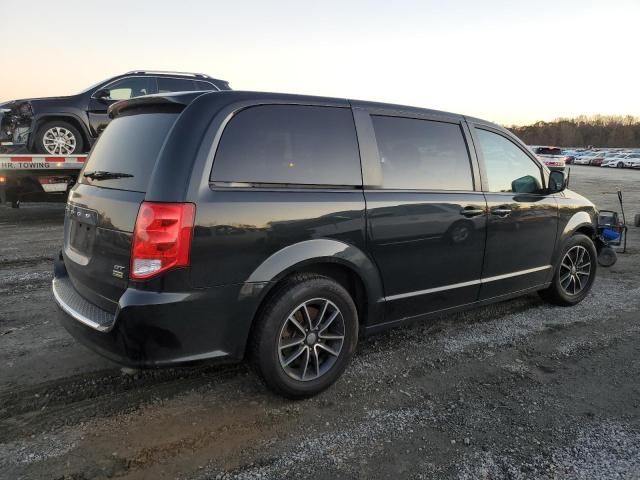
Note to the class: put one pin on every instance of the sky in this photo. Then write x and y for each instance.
(511, 62)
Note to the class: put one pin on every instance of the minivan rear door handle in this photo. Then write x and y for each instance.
(501, 211)
(471, 211)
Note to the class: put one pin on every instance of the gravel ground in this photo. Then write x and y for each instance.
(513, 390)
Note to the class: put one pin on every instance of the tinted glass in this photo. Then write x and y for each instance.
(422, 154)
(129, 145)
(548, 151)
(289, 144)
(204, 85)
(166, 85)
(129, 88)
(509, 169)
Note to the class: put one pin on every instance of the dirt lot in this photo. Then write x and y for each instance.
(515, 390)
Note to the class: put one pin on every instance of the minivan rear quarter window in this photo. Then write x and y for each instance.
(129, 145)
(289, 145)
(420, 154)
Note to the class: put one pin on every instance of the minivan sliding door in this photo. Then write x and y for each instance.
(426, 221)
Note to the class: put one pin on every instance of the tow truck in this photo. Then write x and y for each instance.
(36, 178)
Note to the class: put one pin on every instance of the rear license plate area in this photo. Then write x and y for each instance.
(81, 237)
(82, 229)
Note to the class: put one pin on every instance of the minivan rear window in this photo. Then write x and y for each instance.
(129, 145)
(289, 145)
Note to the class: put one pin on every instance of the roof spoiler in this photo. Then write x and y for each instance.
(175, 102)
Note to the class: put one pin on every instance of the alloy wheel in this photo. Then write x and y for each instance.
(59, 141)
(575, 270)
(311, 339)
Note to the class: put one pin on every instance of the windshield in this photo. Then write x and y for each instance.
(88, 89)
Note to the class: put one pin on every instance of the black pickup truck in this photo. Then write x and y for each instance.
(70, 125)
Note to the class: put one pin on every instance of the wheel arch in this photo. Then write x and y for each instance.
(74, 120)
(344, 263)
(580, 222)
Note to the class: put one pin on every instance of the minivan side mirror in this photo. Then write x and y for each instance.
(557, 181)
(526, 184)
(102, 94)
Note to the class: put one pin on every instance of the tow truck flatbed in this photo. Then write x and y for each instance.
(34, 177)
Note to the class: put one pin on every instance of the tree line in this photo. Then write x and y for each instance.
(583, 131)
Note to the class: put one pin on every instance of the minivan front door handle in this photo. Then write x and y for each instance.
(501, 211)
(471, 211)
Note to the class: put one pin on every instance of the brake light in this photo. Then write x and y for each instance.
(161, 238)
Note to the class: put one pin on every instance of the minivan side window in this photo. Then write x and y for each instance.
(422, 154)
(508, 168)
(289, 144)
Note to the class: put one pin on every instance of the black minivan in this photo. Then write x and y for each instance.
(219, 225)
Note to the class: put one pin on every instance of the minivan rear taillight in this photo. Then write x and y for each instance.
(161, 238)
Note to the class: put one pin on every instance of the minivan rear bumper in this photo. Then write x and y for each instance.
(155, 329)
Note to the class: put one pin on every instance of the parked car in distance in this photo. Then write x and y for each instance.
(293, 225)
(616, 161)
(585, 159)
(571, 154)
(552, 157)
(600, 157)
(632, 160)
(70, 125)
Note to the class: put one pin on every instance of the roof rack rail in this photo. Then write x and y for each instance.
(166, 72)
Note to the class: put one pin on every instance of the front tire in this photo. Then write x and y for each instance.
(575, 272)
(59, 138)
(305, 336)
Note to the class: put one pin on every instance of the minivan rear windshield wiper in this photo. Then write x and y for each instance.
(102, 175)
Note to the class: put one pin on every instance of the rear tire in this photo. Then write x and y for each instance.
(620, 165)
(58, 137)
(311, 300)
(575, 272)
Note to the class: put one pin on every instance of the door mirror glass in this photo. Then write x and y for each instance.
(557, 181)
(526, 184)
